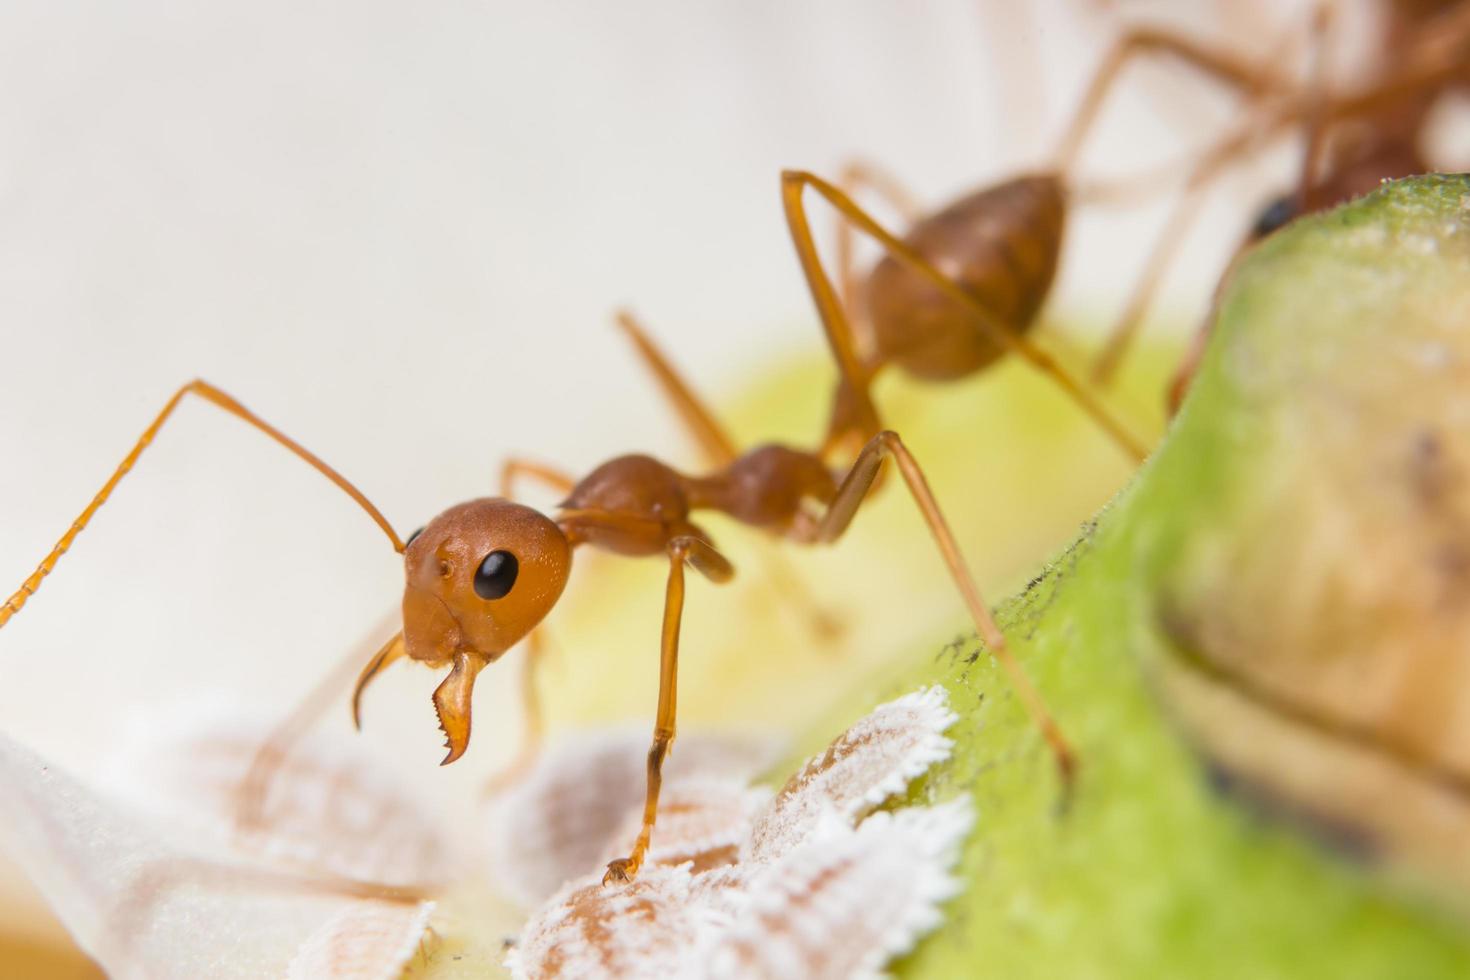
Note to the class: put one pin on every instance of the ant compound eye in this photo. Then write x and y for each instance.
(1274, 216)
(496, 575)
(412, 537)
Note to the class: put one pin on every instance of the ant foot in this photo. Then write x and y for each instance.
(620, 872)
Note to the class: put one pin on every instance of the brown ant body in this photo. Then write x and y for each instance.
(963, 286)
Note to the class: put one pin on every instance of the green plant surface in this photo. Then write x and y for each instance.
(1337, 346)
(1181, 850)
(1017, 468)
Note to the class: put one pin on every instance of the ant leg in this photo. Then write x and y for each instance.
(514, 469)
(712, 438)
(271, 756)
(1322, 20)
(1256, 85)
(1250, 78)
(1124, 330)
(839, 334)
(791, 591)
(533, 725)
(701, 556)
(839, 515)
(857, 176)
(1189, 364)
(220, 399)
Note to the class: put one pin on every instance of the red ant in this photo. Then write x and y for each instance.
(481, 576)
(1354, 141)
(964, 285)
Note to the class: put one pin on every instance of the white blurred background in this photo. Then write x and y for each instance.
(398, 232)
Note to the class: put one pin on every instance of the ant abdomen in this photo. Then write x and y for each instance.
(999, 244)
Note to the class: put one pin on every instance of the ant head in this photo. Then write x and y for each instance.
(480, 576)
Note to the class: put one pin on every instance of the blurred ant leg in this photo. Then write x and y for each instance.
(1209, 166)
(1432, 73)
(839, 515)
(719, 449)
(840, 336)
(1322, 19)
(1310, 111)
(701, 423)
(533, 721)
(1145, 185)
(510, 472)
(858, 176)
(1225, 67)
(1184, 373)
(218, 398)
(271, 756)
(1124, 331)
(1189, 363)
(792, 592)
(515, 468)
(701, 556)
(1414, 80)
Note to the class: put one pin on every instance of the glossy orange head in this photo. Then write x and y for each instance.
(480, 576)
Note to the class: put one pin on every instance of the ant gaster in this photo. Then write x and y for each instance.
(964, 285)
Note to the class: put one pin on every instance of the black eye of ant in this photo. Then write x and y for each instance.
(411, 537)
(1273, 216)
(496, 575)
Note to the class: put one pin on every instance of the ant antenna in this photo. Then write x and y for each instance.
(213, 395)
